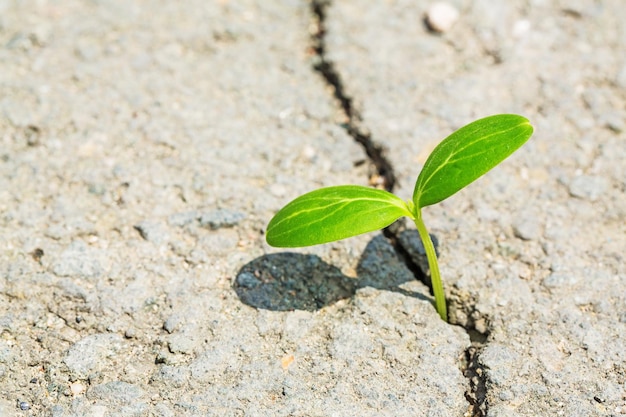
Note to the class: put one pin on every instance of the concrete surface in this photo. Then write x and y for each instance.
(145, 146)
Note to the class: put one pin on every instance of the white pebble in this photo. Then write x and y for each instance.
(77, 388)
(441, 16)
(521, 28)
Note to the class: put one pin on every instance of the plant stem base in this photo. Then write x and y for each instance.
(431, 255)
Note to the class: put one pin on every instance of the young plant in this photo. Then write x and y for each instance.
(339, 212)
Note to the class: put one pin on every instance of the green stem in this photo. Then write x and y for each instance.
(431, 255)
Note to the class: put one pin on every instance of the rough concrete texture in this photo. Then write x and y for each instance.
(532, 254)
(145, 146)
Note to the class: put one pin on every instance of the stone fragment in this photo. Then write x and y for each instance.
(152, 231)
(217, 219)
(184, 218)
(179, 343)
(172, 323)
(588, 187)
(441, 16)
(77, 388)
(527, 227)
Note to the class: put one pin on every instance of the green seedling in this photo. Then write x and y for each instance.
(339, 212)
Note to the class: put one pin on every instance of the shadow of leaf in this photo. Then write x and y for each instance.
(381, 267)
(292, 281)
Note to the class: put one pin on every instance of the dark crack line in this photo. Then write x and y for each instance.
(475, 374)
(327, 70)
(473, 371)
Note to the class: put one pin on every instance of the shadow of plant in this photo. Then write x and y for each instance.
(292, 281)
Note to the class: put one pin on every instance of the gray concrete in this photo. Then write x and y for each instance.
(145, 146)
(536, 248)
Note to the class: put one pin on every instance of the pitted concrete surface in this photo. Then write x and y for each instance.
(532, 254)
(145, 146)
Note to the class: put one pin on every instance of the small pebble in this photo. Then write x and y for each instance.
(588, 187)
(286, 361)
(440, 17)
(184, 218)
(172, 323)
(179, 343)
(77, 388)
(527, 227)
(217, 219)
(521, 28)
(248, 280)
(152, 231)
(24, 406)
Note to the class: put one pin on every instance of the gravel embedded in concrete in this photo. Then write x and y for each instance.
(531, 254)
(146, 148)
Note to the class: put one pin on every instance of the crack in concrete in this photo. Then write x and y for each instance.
(477, 395)
(462, 310)
(463, 313)
(332, 77)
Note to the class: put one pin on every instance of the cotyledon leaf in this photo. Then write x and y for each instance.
(334, 213)
(467, 154)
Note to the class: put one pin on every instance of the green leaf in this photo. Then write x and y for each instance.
(334, 213)
(467, 154)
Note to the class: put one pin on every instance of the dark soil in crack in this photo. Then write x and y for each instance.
(462, 312)
(476, 395)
